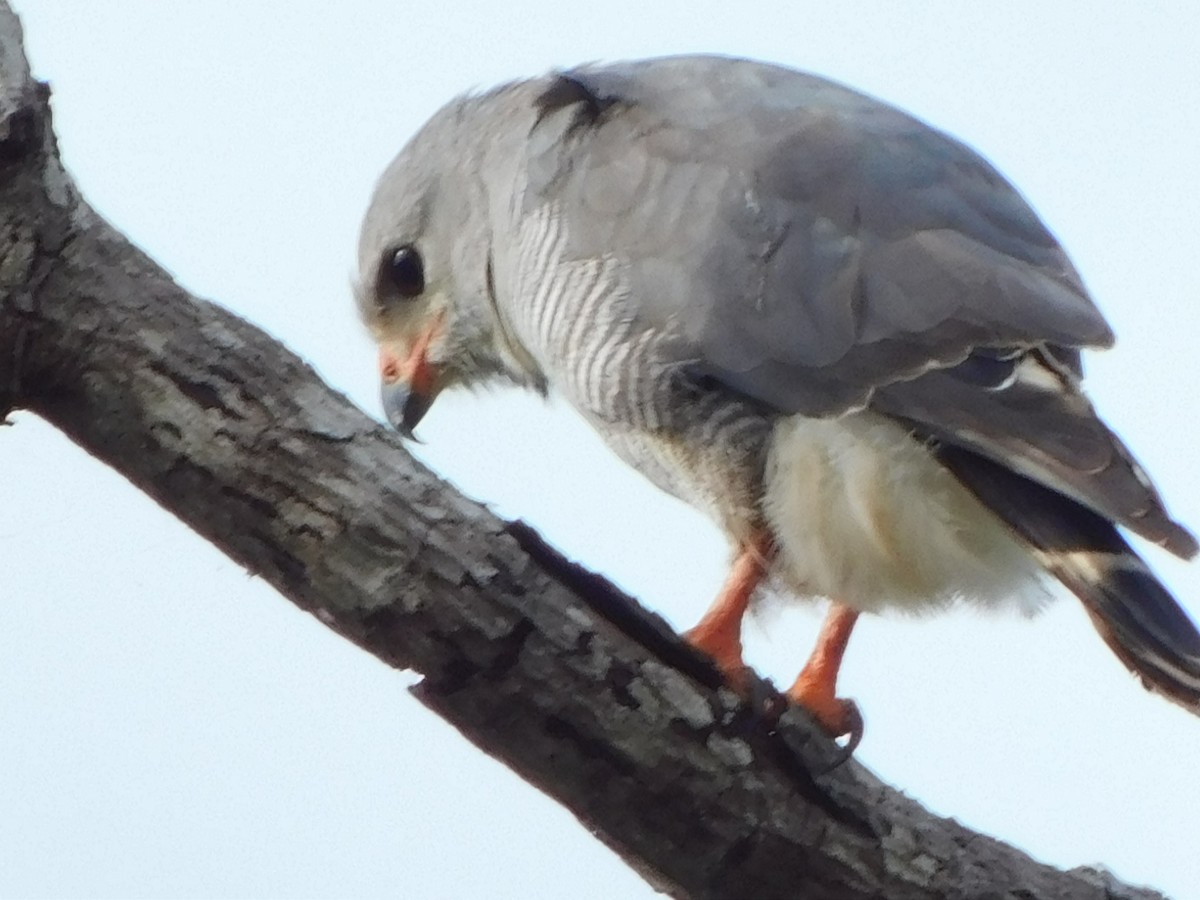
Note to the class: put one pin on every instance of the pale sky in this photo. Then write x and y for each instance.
(171, 727)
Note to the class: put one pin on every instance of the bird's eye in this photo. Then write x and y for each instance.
(407, 271)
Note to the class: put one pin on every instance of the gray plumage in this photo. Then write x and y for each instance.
(798, 309)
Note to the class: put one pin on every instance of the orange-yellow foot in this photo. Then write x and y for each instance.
(725, 654)
(719, 633)
(816, 688)
(837, 715)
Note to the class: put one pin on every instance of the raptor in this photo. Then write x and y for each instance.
(836, 330)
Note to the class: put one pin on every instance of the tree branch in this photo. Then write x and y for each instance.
(537, 661)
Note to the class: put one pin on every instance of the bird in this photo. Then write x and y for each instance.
(836, 330)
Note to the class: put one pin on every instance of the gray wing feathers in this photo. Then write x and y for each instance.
(1045, 432)
(843, 240)
(818, 251)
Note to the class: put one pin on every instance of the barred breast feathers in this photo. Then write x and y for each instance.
(572, 315)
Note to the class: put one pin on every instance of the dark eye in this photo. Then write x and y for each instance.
(407, 271)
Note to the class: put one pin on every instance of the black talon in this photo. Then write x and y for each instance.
(854, 729)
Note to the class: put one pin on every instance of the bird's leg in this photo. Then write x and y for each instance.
(816, 688)
(719, 633)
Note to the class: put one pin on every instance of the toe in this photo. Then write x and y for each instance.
(837, 716)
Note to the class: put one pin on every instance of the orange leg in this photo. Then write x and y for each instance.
(719, 633)
(816, 688)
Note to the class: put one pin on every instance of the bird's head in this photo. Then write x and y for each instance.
(427, 283)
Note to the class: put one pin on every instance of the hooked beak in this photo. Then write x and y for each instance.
(404, 408)
(410, 383)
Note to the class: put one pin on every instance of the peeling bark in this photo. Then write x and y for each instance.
(538, 662)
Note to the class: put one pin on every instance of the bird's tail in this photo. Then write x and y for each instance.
(1136, 616)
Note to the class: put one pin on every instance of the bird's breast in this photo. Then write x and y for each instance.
(711, 462)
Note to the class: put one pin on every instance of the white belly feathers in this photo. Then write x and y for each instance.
(863, 514)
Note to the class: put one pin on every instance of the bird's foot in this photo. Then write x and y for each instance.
(816, 688)
(719, 634)
(725, 651)
(837, 716)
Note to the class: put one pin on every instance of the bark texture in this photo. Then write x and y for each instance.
(537, 661)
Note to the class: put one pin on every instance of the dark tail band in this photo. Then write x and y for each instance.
(1136, 616)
